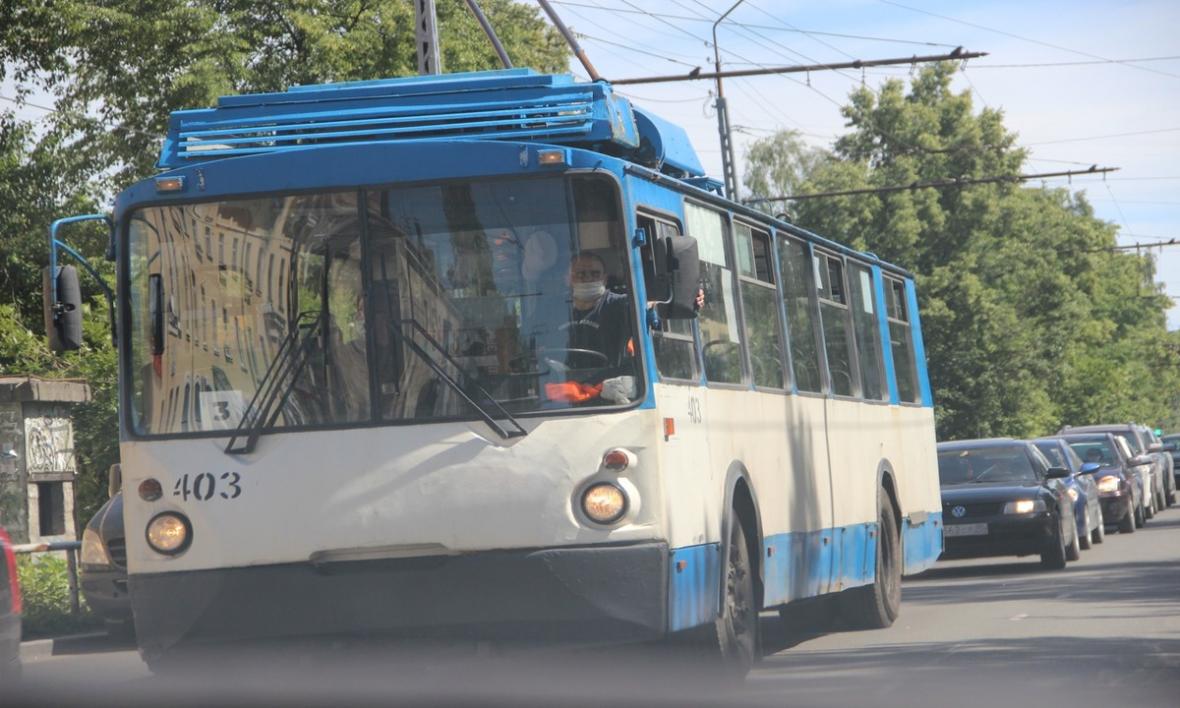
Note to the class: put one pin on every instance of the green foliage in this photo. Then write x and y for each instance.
(45, 592)
(1029, 323)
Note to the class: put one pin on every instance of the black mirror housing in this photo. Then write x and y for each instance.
(62, 297)
(1056, 473)
(683, 268)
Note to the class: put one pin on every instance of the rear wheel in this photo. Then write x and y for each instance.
(1084, 537)
(876, 606)
(1098, 535)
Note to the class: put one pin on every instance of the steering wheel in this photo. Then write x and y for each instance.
(590, 352)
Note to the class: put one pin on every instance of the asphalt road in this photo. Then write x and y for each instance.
(1103, 632)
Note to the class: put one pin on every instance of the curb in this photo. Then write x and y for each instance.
(35, 649)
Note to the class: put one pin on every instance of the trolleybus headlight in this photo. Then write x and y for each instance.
(169, 533)
(604, 503)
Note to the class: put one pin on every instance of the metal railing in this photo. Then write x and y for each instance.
(71, 549)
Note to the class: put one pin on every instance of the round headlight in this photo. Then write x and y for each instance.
(604, 503)
(169, 533)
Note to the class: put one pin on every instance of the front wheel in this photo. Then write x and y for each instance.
(1054, 557)
(1084, 537)
(1073, 551)
(1140, 516)
(737, 629)
(1128, 523)
(1099, 534)
(876, 606)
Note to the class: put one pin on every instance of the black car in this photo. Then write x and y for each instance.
(1120, 487)
(1001, 497)
(1171, 443)
(10, 611)
(1161, 492)
(103, 572)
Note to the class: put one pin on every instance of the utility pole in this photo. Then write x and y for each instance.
(426, 25)
(728, 168)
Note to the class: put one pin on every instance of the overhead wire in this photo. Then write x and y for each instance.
(1027, 39)
(1103, 137)
(841, 35)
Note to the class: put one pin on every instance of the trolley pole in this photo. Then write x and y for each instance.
(728, 163)
(426, 27)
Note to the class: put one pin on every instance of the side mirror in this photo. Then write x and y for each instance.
(1155, 448)
(1171, 447)
(114, 479)
(1140, 460)
(682, 266)
(1091, 467)
(62, 298)
(1056, 473)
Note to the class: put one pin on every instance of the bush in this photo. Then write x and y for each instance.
(45, 588)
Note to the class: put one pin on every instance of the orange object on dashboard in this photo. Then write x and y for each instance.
(572, 391)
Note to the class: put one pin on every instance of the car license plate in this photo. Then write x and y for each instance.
(965, 530)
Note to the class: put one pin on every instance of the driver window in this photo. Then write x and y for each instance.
(718, 317)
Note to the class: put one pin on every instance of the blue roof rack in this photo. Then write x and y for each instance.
(511, 104)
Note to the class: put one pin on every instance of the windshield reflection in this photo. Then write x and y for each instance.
(430, 301)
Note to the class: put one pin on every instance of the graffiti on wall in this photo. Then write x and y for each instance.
(49, 445)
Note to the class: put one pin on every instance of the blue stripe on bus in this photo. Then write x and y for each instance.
(911, 297)
(883, 326)
(796, 565)
(922, 542)
(694, 587)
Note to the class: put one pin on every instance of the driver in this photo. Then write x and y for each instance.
(600, 319)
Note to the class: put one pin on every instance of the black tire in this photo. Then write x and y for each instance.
(1149, 508)
(1098, 535)
(1073, 551)
(1054, 557)
(1084, 538)
(736, 636)
(876, 606)
(1140, 516)
(1127, 523)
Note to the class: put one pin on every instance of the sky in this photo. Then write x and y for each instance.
(1069, 115)
(1049, 69)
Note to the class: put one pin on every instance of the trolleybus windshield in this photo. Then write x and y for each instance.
(481, 275)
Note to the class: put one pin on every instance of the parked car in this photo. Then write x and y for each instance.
(1172, 447)
(1135, 437)
(1082, 489)
(10, 612)
(103, 571)
(1001, 497)
(1120, 486)
(1159, 449)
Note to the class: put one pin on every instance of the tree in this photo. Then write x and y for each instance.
(1030, 320)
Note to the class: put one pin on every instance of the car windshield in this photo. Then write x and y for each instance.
(517, 290)
(1097, 450)
(985, 465)
(1053, 452)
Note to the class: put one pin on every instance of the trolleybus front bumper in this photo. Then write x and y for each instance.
(582, 595)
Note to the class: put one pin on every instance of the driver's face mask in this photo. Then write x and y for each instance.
(589, 291)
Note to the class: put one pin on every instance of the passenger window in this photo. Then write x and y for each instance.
(674, 344)
(795, 266)
(763, 328)
(833, 312)
(868, 333)
(900, 340)
(718, 318)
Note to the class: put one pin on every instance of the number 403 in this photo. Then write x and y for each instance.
(206, 485)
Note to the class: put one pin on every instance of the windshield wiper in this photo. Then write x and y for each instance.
(455, 385)
(287, 364)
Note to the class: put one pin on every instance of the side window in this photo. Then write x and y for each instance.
(901, 340)
(675, 347)
(718, 318)
(795, 266)
(763, 328)
(833, 313)
(866, 328)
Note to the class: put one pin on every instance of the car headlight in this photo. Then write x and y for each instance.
(94, 551)
(169, 533)
(604, 503)
(1073, 494)
(1024, 506)
(1108, 484)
